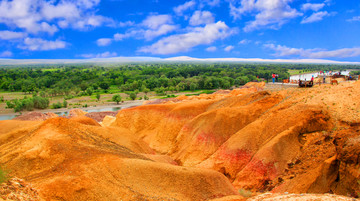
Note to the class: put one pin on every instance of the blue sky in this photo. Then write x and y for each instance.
(268, 29)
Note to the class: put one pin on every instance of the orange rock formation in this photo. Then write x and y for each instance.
(207, 147)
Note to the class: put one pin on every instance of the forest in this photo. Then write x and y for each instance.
(161, 78)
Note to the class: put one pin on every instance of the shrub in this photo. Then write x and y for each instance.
(3, 175)
(28, 104)
(40, 102)
(89, 91)
(65, 104)
(56, 105)
(116, 98)
(160, 91)
(132, 95)
(10, 104)
(42, 94)
(68, 97)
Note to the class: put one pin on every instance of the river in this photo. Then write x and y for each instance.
(65, 111)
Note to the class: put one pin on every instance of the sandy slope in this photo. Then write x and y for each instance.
(209, 147)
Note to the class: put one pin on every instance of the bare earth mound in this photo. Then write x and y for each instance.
(68, 160)
(208, 147)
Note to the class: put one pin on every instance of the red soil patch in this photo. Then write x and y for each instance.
(35, 116)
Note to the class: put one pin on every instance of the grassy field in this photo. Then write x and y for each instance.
(297, 72)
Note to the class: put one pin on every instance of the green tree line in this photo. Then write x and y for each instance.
(89, 79)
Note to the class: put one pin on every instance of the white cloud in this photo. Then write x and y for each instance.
(120, 37)
(184, 42)
(179, 10)
(45, 27)
(65, 10)
(162, 30)
(283, 51)
(211, 2)
(315, 17)
(269, 13)
(229, 48)
(10, 35)
(153, 26)
(211, 49)
(126, 24)
(87, 3)
(100, 55)
(312, 6)
(36, 16)
(104, 41)
(6, 54)
(36, 44)
(354, 19)
(92, 21)
(245, 41)
(155, 21)
(201, 17)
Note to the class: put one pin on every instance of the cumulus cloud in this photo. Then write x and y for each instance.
(36, 44)
(46, 16)
(162, 30)
(354, 19)
(184, 42)
(100, 55)
(201, 17)
(65, 10)
(156, 25)
(284, 51)
(245, 41)
(179, 10)
(315, 17)
(153, 26)
(229, 48)
(104, 41)
(268, 13)
(155, 21)
(120, 37)
(211, 49)
(126, 24)
(6, 54)
(10, 35)
(312, 6)
(211, 2)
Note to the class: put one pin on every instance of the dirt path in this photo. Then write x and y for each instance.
(279, 86)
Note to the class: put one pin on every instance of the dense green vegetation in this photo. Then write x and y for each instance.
(355, 73)
(84, 80)
(28, 103)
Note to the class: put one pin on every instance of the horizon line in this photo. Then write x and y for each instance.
(123, 59)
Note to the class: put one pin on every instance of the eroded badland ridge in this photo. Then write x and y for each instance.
(209, 147)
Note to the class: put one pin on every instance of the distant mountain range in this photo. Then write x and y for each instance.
(172, 59)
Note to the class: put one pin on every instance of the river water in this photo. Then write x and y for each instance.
(65, 113)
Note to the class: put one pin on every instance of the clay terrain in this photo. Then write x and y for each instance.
(250, 143)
